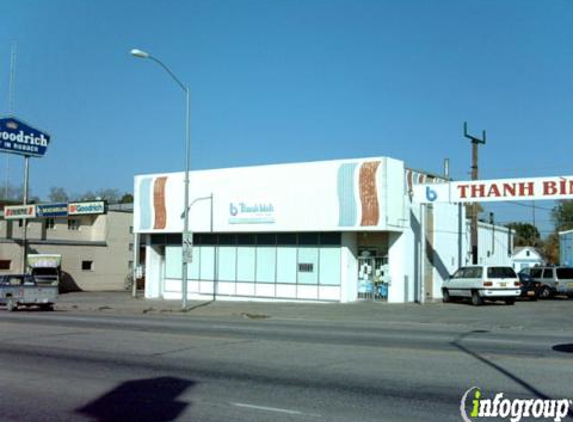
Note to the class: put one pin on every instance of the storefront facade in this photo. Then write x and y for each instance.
(96, 247)
(334, 231)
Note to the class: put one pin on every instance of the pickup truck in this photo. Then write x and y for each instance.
(22, 290)
(46, 268)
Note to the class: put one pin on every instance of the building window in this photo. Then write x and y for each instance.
(130, 229)
(227, 239)
(269, 239)
(308, 239)
(286, 238)
(5, 264)
(246, 239)
(50, 223)
(331, 238)
(130, 265)
(130, 247)
(87, 265)
(73, 224)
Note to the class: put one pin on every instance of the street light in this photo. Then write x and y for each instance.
(187, 235)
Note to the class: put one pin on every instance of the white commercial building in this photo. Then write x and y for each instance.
(321, 231)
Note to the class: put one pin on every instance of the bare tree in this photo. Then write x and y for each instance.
(58, 194)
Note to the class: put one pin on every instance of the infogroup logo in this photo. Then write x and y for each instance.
(515, 410)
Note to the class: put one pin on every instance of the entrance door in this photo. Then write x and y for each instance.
(373, 277)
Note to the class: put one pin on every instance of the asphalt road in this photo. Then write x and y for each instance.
(67, 366)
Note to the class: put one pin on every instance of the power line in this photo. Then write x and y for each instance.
(532, 206)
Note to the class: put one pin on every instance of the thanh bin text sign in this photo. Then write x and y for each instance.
(537, 188)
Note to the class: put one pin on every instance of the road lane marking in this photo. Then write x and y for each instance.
(492, 340)
(274, 409)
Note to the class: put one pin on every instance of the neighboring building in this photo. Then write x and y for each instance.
(495, 243)
(319, 231)
(96, 248)
(526, 257)
(566, 248)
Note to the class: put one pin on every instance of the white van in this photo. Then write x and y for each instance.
(483, 282)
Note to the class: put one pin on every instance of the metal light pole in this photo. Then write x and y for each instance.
(187, 235)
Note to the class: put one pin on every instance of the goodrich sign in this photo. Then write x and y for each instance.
(17, 137)
(539, 188)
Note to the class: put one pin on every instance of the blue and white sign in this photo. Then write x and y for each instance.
(52, 210)
(85, 208)
(16, 137)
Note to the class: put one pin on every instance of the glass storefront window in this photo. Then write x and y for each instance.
(173, 262)
(286, 265)
(246, 264)
(227, 263)
(284, 258)
(329, 266)
(307, 265)
(266, 264)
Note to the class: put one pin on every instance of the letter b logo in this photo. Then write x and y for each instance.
(431, 195)
(233, 209)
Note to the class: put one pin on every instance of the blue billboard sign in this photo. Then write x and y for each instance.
(52, 210)
(16, 137)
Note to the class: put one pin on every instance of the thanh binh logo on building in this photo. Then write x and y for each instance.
(251, 213)
(85, 208)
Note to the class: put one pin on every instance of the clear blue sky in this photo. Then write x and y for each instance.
(285, 81)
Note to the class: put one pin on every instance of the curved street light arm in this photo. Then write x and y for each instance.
(175, 78)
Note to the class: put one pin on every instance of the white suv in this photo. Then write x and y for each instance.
(483, 282)
(555, 280)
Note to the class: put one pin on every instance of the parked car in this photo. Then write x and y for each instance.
(530, 288)
(22, 290)
(483, 282)
(555, 280)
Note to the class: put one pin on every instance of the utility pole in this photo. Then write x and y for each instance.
(533, 211)
(10, 108)
(475, 176)
(492, 233)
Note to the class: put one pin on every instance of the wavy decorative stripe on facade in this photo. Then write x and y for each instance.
(346, 202)
(409, 181)
(159, 203)
(144, 203)
(369, 194)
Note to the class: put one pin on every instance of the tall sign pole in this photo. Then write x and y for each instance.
(25, 202)
(475, 176)
(10, 107)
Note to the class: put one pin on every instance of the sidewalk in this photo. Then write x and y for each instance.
(124, 303)
(521, 316)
